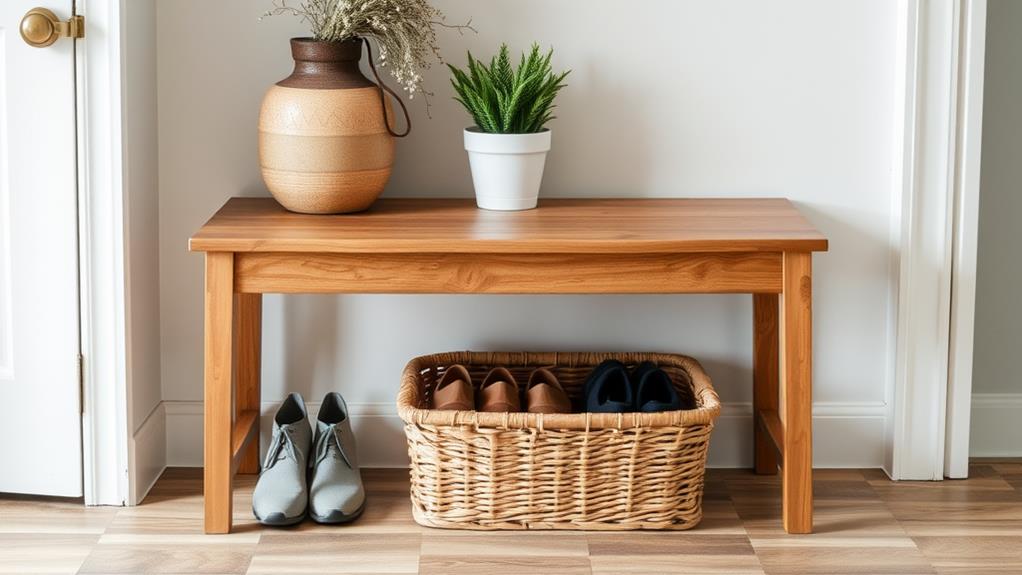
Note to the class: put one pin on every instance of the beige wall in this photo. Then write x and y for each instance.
(999, 268)
(667, 99)
(996, 429)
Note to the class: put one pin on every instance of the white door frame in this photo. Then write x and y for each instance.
(101, 228)
(972, 62)
(940, 187)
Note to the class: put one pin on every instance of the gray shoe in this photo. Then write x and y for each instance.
(281, 496)
(336, 494)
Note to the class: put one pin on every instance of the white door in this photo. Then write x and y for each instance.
(40, 421)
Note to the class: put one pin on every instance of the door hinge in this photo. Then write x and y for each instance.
(81, 386)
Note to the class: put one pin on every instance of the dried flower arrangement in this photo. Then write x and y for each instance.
(403, 29)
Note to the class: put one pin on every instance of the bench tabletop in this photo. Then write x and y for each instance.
(580, 226)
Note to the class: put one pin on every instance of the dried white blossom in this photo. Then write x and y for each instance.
(403, 29)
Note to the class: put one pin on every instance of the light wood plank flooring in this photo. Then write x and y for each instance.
(865, 524)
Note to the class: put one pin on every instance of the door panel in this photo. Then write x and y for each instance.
(39, 397)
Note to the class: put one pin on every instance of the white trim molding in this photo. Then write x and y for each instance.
(846, 434)
(930, 175)
(119, 285)
(997, 424)
(101, 229)
(972, 60)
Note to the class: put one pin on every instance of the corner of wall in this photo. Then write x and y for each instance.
(147, 454)
(148, 421)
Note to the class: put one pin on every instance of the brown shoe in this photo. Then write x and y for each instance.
(454, 392)
(544, 393)
(499, 392)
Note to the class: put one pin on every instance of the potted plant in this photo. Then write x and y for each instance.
(511, 107)
(326, 132)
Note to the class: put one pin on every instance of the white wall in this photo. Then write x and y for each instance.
(666, 99)
(142, 244)
(997, 381)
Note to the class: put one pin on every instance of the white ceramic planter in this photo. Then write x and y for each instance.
(507, 169)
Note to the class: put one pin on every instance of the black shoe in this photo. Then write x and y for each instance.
(608, 389)
(654, 390)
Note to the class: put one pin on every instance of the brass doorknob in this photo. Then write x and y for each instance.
(40, 27)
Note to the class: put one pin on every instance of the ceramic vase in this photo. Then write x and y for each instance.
(324, 143)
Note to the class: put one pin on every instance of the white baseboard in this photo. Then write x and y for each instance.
(845, 434)
(996, 425)
(379, 430)
(147, 454)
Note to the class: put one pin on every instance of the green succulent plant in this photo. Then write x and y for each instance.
(503, 99)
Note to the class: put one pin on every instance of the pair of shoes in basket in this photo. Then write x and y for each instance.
(499, 392)
(611, 388)
(312, 476)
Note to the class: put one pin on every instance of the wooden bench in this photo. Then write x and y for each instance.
(594, 246)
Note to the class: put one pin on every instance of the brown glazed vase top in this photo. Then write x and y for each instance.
(324, 146)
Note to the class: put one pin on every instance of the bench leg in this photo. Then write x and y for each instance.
(248, 317)
(218, 420)
(796, 393)
(765, 374)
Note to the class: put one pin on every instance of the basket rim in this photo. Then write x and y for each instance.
(410, 391)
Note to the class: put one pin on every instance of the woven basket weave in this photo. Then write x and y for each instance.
(592, 471)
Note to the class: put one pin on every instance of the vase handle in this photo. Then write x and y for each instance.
(384, 90)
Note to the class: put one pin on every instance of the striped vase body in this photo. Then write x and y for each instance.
(324, 147)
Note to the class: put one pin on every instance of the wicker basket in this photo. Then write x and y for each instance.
(595, 471)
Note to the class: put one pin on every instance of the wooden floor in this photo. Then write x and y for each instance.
(864, 522)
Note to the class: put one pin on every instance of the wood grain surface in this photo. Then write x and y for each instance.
(765, 376)
(605, 226)
(797, 392)
(248, 338)
(218, 413)
(866, 524)
(754, 272)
